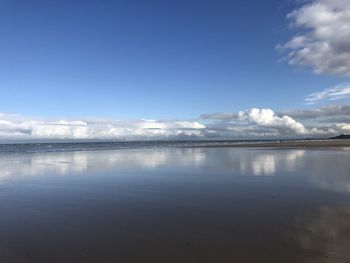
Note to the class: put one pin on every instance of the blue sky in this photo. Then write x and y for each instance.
(160, 60)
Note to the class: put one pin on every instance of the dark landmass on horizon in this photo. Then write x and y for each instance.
(341, 137)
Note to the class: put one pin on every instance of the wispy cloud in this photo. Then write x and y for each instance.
(330, 111)
(341, 91)
(323, 40)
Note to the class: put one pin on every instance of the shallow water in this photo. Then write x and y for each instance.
(176, 205)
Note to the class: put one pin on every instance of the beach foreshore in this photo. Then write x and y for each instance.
(287, 144)
(6, 149)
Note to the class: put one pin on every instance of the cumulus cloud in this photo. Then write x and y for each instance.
(341, 91)
(268, 118)
(325, 121)
(323, 40)
(256, 122)
(330, 119)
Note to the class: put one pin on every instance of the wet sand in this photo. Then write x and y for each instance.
(176, 205)
(289, 144)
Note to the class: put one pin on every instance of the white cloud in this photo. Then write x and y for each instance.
(326, 121)
(335, 93)
(268, 118)
(259, 122)
(247, 124)
(323, 42)
(34, 128)
(344, 126)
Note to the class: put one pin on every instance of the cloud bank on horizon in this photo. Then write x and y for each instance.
(248, 124)
(22, 128)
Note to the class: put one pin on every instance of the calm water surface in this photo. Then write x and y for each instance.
(176, 205)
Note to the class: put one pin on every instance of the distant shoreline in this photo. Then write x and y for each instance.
(287, 144)
(90, 146)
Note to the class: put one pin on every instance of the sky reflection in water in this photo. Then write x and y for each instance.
(176, 204)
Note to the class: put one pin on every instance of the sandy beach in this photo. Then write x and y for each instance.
(289, 144)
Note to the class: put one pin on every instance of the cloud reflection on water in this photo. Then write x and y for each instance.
(325, 235)
(322, 235)
(67, 163)
(324, 168)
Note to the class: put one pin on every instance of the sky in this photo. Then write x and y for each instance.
(159, 69)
